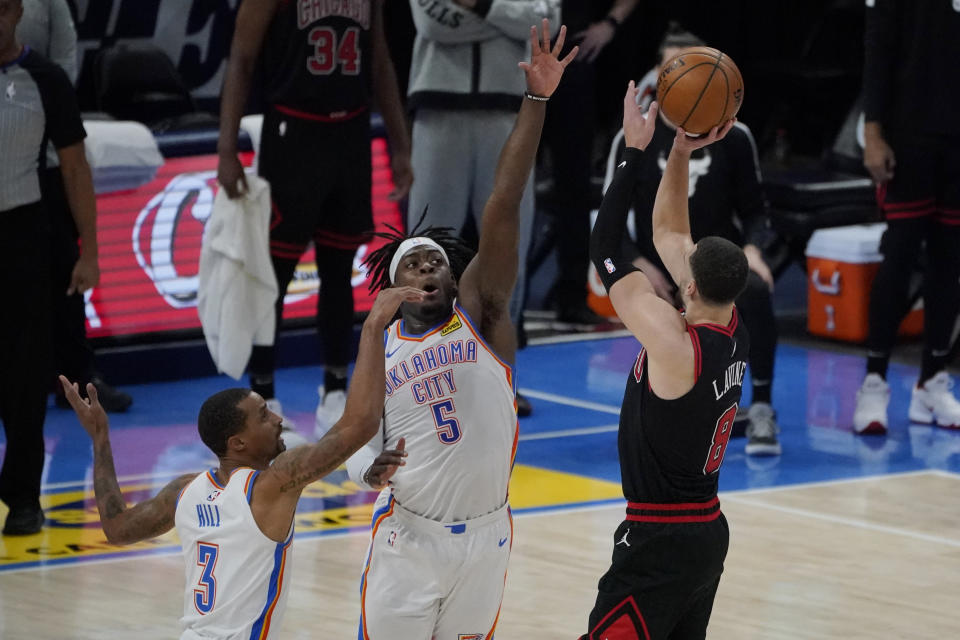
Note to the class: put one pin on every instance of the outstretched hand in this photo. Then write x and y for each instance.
(686, 144)
(638, 127)
(385, 465)
(545, 68)
(89, 412)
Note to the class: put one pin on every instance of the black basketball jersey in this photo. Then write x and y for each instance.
(317, 57)
(671, 450)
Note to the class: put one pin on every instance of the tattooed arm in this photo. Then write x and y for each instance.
(121, 525)
(277, 489)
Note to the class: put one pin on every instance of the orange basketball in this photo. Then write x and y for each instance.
(699, 88)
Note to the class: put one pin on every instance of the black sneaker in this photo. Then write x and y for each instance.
(23, 521)
(579, 317)
(524, 408)
(111, 399)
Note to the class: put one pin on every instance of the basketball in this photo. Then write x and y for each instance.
(698, 89)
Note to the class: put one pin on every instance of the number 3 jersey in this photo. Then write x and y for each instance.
(237, 578)
(317, 58)
(671, 450)
(453, 401)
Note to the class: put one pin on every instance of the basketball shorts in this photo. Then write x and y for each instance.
(319, 175)
(426, 580)
(661, 582)
(924, 183)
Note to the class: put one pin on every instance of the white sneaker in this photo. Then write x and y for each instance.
(870, 416)
(934, 403)
(291, 437)
(329, 410)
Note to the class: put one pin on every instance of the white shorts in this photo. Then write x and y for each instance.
(427, 580)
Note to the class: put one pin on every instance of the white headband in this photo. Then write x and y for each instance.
(407, 246)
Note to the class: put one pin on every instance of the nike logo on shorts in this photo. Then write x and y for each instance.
(502, 542)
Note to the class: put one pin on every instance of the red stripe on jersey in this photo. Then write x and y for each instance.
(674, 506)
(320, 117)
(675, 519)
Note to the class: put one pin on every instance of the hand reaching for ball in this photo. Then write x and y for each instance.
(638, 127)
(687, 144)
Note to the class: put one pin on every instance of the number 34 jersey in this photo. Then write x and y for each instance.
(237, 578)
(671, 450)
(317, 57)
(452, 399)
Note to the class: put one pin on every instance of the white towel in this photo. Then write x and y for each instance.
(237, 284)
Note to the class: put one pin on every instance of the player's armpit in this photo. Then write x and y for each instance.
(147, 519)
(652, 320)
(673, 249)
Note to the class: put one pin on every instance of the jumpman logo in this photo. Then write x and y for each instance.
(624, 539)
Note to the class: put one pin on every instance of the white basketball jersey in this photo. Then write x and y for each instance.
(452, 399)
(236, 576)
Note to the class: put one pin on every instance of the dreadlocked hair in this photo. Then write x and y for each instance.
(378, 262)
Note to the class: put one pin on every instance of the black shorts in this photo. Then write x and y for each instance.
(661, 582)
(924, 183)
(319, 175)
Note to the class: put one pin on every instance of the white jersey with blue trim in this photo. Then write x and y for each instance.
(237, 578)
(453, 401)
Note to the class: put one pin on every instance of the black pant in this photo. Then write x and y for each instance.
(334, 309)
(661, 582)
(25, 363)
(568, 134)
(320, 177)
(72, 353)
(755, 306)
(922, 208)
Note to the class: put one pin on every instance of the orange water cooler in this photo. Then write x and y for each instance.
(841, 265)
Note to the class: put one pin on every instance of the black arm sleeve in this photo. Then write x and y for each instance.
(606, 240)
(880, 51)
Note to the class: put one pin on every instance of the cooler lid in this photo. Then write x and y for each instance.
(859, 243)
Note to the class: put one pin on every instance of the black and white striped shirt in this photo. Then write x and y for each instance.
(37, 104)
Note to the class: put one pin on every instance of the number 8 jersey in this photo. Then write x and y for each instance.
(237, 578)
(453, 401)
(671, 450)
(318, 57)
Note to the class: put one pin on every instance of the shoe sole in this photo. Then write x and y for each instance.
(764, 450)
(872, 429)
(929, 420)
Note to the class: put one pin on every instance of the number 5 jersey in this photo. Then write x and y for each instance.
(452, 399)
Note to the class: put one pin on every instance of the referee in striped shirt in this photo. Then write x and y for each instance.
(37, 105)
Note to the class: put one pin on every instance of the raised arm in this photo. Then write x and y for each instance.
(121, 524)
(387, 95)
(489, 278)
(278, 488)
(253, 20)
(671, 209)
(652, 321)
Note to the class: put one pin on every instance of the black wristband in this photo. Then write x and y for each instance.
(613, 22)
(535, 97)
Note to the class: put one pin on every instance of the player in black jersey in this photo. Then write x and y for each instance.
(322, 63)
(679, 404)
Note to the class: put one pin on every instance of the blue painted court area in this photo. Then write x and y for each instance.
(576, 389)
